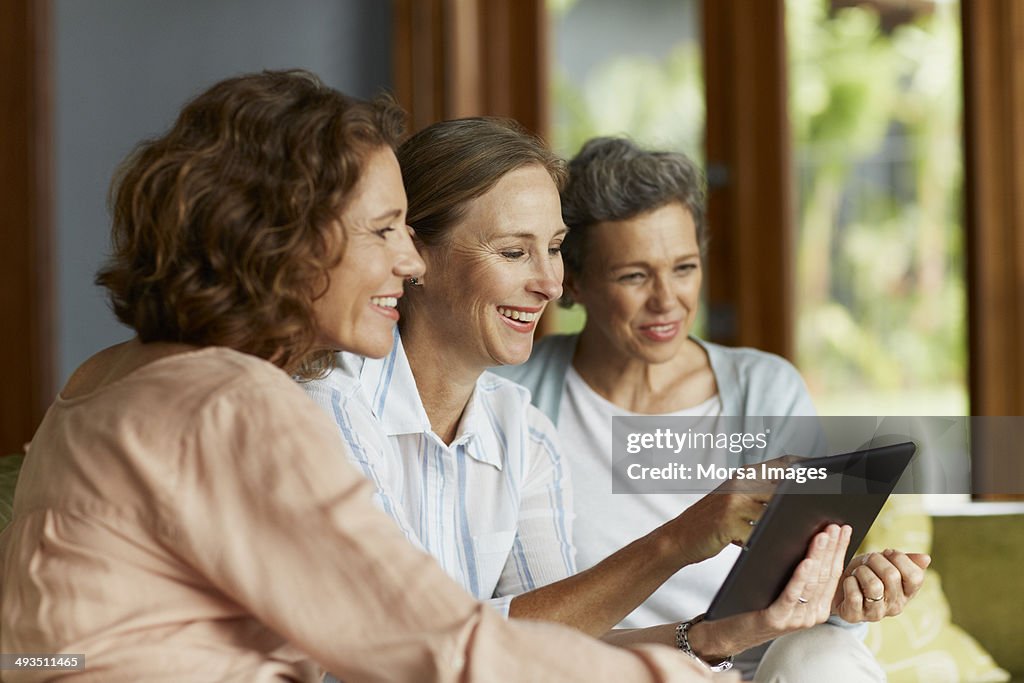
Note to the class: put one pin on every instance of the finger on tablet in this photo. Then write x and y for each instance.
(828, 554)
(744, 520)
(799, 583)
(823, 548)
(843, 542)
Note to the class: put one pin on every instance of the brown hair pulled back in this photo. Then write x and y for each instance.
(448, 164)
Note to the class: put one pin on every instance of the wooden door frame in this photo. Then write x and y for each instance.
(444, 68)
(751, 261)
(993, 32)
(994, 183)
(26, 199)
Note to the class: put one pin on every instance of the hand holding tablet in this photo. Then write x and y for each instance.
(805, 600)
(729, 514)
(858, 485)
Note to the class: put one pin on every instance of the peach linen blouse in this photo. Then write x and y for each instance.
(197, 520)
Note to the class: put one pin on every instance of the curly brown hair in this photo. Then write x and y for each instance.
(225, 228)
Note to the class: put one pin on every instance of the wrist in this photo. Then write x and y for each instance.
(675, 544)
(738, 633)
(706, 641)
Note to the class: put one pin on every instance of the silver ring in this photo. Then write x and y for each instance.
(802, 600)
(878, 599)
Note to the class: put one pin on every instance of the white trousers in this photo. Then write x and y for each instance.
(821, 654)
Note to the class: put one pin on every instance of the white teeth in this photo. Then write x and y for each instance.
(386, 301)
(660, 328)
(521, 316)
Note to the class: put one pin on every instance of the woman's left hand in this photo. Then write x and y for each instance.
(804, 602)
(879, 585)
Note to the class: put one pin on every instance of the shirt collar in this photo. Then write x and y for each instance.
(390, 388)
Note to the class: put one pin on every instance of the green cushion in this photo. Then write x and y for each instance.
(980, 557)
(923, 645)
(10, 465)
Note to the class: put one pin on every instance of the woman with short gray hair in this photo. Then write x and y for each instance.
(634, 261)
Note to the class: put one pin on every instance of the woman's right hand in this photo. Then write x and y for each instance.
(726, 515)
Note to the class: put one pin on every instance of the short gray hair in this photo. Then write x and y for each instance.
(612, 179)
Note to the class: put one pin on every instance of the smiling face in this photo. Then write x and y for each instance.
(641, 283)
(488, 284)
(358, 312)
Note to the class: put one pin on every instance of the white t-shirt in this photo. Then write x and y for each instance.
(605, 522)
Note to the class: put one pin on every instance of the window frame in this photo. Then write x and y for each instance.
(27, 349)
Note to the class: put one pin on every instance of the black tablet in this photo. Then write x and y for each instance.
(854, 489)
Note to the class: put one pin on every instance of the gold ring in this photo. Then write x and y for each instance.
(878, 599)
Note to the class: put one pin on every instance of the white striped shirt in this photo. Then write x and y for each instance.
(494, 508)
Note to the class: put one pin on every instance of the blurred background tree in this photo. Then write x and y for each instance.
(876, 115)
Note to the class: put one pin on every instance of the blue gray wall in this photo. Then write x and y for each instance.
(123, 68)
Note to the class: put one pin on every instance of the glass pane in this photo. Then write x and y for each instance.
(632, 68)
(875, 106)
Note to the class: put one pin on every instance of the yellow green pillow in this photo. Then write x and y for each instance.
(922, 645)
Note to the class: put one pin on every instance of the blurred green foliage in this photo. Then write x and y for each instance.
(876, 121)
(659, 103)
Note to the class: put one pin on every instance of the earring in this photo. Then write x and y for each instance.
(414, 281)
